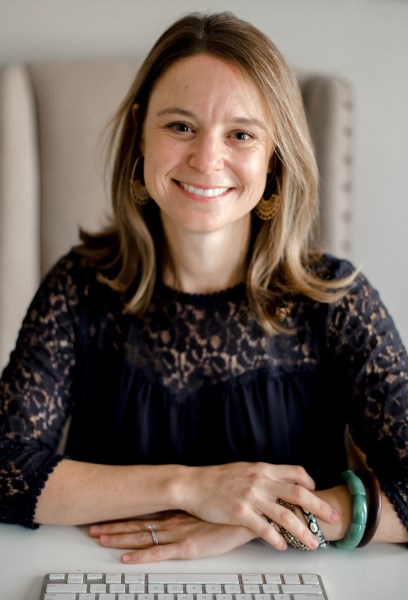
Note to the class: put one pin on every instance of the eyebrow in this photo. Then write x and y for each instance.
(187, 113)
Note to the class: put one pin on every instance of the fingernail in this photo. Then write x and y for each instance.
(104, 539)
(313, 543)
(334, 516)
(125, 557)
(94, 529)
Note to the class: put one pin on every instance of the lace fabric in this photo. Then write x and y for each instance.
(198, 366)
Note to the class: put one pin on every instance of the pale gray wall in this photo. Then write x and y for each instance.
(365, 41)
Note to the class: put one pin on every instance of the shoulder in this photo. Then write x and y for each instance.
(74, 279)
(330, 267)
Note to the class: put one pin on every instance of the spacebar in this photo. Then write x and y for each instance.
(192, 578)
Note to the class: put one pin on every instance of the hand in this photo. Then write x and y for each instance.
(244, 494)
(181, 536)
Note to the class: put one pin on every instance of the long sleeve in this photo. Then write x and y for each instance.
(35, 393)
(373, 359)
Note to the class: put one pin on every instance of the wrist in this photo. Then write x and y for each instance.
(178, 487)
(339, 498)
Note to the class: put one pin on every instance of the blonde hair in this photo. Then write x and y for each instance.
(280, 265)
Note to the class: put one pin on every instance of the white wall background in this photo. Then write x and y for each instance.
(365, 41)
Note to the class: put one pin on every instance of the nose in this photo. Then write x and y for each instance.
(207, 153)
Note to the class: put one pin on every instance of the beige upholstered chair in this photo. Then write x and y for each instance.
(51, 119)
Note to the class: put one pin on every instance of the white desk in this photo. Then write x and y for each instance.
(376, 572)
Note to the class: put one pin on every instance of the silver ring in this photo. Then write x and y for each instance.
(152, 529)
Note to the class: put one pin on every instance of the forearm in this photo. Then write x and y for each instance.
(390, 527)
(77, 493)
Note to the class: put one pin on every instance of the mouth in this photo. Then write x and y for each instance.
(203, 192)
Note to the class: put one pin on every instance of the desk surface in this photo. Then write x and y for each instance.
(375, 572)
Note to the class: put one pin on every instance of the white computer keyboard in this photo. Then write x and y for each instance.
(183, 586)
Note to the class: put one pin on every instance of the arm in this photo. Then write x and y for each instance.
(35, 391)
(237, 494)
(366, 345)
(390, 528)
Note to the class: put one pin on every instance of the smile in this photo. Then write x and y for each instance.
(203, 192)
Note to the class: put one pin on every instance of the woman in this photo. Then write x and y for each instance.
(210, 358)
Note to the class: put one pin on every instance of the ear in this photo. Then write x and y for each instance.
(135, 117)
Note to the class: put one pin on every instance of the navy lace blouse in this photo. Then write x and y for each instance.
(197, 382)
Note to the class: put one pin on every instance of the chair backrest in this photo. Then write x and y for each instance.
(52, 116)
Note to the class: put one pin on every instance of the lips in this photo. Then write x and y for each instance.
(207, 192)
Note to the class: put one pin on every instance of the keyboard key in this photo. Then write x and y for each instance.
(213, 588)
(113, 578)
(94, 576)
(232, 588)
(56, 576)
(270, 588)
(252, 578)
(175, 588)
(291, 578)
(138, 588)
(155, 588)
(66, 588)
(134, 578)
(58, 597)
(302, 589)
(97, 588)
(307, 597)
(251, 589)
(184, 596)
(75, 578)
(193, 578)
(194, 588)
(273, 578)
(307, 578)
(117, 588)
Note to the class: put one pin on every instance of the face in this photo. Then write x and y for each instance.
(207, 145)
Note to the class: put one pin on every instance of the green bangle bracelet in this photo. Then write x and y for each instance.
(356, 530)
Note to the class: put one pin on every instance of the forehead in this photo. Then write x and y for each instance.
(205, 76)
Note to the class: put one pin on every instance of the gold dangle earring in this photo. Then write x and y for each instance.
(138, 191)
(270, 202)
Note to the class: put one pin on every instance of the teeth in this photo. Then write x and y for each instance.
(205, 193)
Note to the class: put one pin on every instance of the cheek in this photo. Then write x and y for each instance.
(254, 171)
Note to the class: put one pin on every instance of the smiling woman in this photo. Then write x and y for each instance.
(202, 342)
(204, 171)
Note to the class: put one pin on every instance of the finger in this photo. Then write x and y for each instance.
(263, 527)
(157, 553)
(117, 527)
(303, 498)
(295, 525)
(143, 538)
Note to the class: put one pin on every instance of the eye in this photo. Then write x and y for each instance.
(180, 127)
(243, 136)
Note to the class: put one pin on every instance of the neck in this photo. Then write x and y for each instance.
(203, 263)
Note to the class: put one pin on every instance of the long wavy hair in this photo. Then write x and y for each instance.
(128, 253)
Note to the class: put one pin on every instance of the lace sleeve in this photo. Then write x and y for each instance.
(35, 392)
(374, 361)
